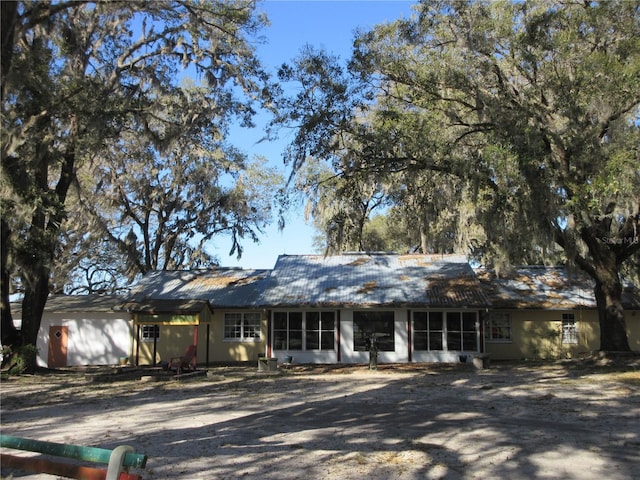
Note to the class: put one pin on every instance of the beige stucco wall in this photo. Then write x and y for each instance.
(174, 340)
(538, 334)
(535, 334)
(222, 350)
(632, 320)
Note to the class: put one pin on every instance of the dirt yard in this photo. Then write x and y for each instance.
(561, 420)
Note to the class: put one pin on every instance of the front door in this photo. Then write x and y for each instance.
(58, 336)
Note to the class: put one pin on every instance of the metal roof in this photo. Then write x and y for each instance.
(543, 287)
(372, 279)
(221, 287)
(75, 304)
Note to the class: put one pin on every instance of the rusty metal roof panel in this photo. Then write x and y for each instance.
(222, 287)
(154, 306)
(543, 287)
(82, 303)
(76, 304)
(371, 279)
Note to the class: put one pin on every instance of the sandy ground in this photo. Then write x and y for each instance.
(562, 420)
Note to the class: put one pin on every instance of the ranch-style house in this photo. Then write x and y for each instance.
(327, 309)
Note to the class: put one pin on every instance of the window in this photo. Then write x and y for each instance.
(304, 330)
(498, 327)
(431, 329)
(367, 323)
(420, 330)
(436, 330)
(469, 331)
(569, 328)
(427, 330)
(454, 331)
(320, 331)
(287, 330)
(150, 332)
(242, 326)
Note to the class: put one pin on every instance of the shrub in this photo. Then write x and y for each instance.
(20, 360)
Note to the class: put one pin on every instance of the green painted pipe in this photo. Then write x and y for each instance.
(87, 454)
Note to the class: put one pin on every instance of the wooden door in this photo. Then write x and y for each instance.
(58, 336)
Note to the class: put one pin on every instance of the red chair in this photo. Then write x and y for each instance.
(186, 362)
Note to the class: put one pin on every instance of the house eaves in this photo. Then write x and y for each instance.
(155, 306)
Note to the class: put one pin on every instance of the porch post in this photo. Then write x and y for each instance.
(137, 341)
(155, 344)
(195, 343)
(409, 341)
(338, 336)
(481, 346)
(208, 340)
(269, 350)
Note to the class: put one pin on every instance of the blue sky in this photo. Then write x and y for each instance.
(295, 23)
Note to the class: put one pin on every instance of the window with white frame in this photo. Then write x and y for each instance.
(307, 331)
(149, 332)
(569, 328)
(461, 331)
(427, 330)
(498, 327)
(242, 326)
(287, 330)
(320, 331)
(451, 331)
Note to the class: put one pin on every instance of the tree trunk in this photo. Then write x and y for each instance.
(35, 299)
(42, 238)
(605, 270)
(8, 17)
(613, 332)
(424, 239)
(9, 333)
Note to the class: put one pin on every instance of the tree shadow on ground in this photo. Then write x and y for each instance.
(511, 421)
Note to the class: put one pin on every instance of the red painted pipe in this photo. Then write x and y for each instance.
(52, 467)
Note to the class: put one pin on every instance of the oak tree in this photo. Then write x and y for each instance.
(80, 79)
(532, 106)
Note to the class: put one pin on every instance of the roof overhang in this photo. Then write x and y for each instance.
(166, 307)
